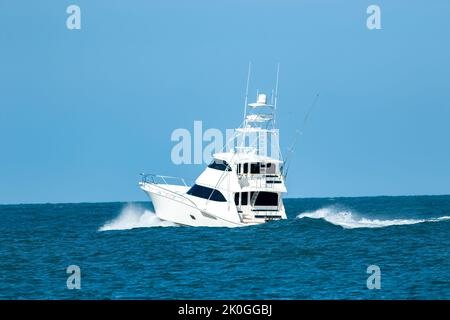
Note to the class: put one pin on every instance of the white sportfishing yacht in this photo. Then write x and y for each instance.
(242, 186)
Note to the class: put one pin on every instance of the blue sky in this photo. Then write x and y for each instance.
(83, 112)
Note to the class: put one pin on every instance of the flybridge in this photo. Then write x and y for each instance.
(260, 114)
(260, 117)
(258, 133)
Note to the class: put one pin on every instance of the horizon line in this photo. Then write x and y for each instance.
(288, 198)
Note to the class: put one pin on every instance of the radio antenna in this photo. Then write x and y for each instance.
(276, 94)
(246, 89)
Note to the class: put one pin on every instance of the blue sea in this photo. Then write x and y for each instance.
(321, 252)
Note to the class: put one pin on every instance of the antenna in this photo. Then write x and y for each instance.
(276, 94)
(246, 90)
(276, 86)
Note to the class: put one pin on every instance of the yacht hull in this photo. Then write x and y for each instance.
(174, 207)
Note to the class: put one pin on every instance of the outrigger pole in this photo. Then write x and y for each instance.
(298, 133)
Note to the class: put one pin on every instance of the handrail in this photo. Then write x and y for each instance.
(157, 179)
(147, 177)
(260, 179)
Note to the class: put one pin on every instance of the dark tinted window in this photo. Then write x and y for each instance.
(270, 168)
(206, 193)
(254, 168)
(266, 199)
(219, 165)
(236, 198)
(245, 167)
(244, 198)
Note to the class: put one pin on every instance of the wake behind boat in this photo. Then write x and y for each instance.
(240, 187)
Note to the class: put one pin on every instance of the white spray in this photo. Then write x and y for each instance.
(349, 220)
(134, 216)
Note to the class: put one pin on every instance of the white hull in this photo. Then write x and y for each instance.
(173, 206)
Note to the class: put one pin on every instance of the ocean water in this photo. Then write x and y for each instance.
(321, 252)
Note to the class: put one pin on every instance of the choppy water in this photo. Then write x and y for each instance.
(321, 252)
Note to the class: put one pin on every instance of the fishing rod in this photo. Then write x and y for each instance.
(298, 133)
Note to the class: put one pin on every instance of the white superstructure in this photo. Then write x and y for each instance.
(241, 187)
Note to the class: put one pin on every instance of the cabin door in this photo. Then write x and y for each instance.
(242, 201)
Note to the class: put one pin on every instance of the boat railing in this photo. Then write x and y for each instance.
(159, 179)
(261, 180)
(156, 180)
(245, 149)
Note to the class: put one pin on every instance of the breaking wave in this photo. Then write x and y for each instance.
(350, 220)
(133, 216)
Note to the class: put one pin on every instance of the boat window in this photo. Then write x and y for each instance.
(236, 198)
(219, 165)
(239, 168)
(206, 193)
(245, 167)
(254, 168)
(266, 198)
(270, 168)
(244, 198)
